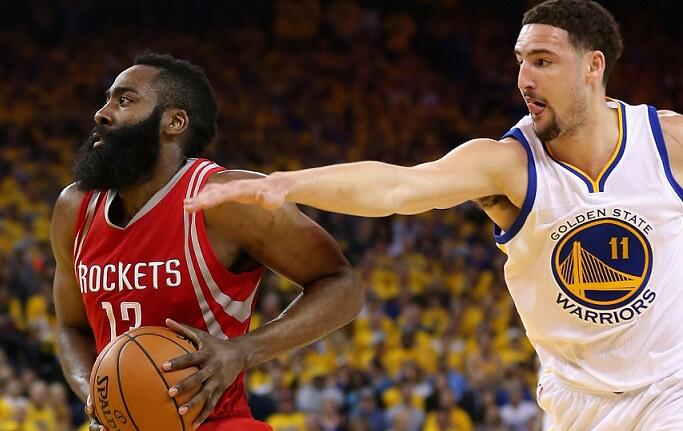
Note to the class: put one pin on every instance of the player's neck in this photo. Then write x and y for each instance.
(590, 146)
(135, 197)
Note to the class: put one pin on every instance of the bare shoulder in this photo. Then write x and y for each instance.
(486, 167)
(64, 217)
(507, 150)
(68, 202)
(234, 174)
(667, 114)
(512, 151)
(235, 209)
(489, 153)
(499, 158)
(672, 129)
(237, 217)
(672, 126)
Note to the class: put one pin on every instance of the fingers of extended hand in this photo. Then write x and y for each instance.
(185, 361)
(212, 193)
(242, 191)
(190, 382)
(208, 396)
(193, 334)
(197, 400)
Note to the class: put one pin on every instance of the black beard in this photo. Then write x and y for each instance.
(127, 155)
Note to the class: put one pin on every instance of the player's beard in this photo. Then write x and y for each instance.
(573, 119)
(127, 156)
(550, 131)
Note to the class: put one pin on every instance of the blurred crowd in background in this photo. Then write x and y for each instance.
(300, 83)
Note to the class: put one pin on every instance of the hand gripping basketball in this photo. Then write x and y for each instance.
(219, 363)
(128, 387)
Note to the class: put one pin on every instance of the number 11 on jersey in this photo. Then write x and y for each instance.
(125, 310)
(615, 247)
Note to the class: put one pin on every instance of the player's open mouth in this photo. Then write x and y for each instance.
(98, 140)
(536, 107)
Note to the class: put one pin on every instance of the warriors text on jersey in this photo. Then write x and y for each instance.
(161, 265)
(594, 265)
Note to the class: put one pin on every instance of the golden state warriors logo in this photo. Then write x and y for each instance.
(603, 265)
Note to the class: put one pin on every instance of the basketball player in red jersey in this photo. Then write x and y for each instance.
(128, 255)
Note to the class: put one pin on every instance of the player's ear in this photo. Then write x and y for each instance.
(595, 66)
(174, 121)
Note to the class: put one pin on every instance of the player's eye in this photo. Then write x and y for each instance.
(542, 62)
(123, 100)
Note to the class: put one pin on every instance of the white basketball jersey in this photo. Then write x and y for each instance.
(595, 267)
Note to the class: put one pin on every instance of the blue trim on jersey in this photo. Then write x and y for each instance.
(570, 168)
(661, 147)
(622, 145)
(503, 237)
(598, 184)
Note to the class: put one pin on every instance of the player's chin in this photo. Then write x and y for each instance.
(539, 124)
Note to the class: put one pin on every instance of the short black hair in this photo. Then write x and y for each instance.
(183, 85)
(590, 26)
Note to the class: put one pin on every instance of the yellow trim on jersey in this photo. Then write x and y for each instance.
(595, 183)
(502, 247)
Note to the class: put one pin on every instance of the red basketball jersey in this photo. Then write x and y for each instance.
(161, 265)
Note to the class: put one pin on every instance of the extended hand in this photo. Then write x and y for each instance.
(266, 192)
(219, 363)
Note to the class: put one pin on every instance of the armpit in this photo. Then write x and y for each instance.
(491, 201)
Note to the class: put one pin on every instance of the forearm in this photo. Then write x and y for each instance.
(77, 355)
(369, 189)
(325, 306)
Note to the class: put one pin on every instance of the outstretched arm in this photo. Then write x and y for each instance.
(478, 168)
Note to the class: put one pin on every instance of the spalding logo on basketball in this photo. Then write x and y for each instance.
(101, 401)
(129, 388)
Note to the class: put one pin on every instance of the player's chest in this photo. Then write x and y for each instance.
(134, 263)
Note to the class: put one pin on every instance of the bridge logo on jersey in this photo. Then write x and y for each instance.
(602, 268)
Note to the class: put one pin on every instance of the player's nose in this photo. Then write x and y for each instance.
(103, 117)
(525, 79)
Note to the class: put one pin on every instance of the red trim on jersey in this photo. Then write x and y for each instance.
(221, 276)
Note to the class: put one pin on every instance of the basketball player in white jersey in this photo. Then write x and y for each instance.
(586, 194)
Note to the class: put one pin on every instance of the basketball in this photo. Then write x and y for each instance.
(128, 387)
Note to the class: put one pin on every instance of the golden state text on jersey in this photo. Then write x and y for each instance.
(602, 262)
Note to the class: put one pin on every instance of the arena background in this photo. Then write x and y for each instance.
(301, 83)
